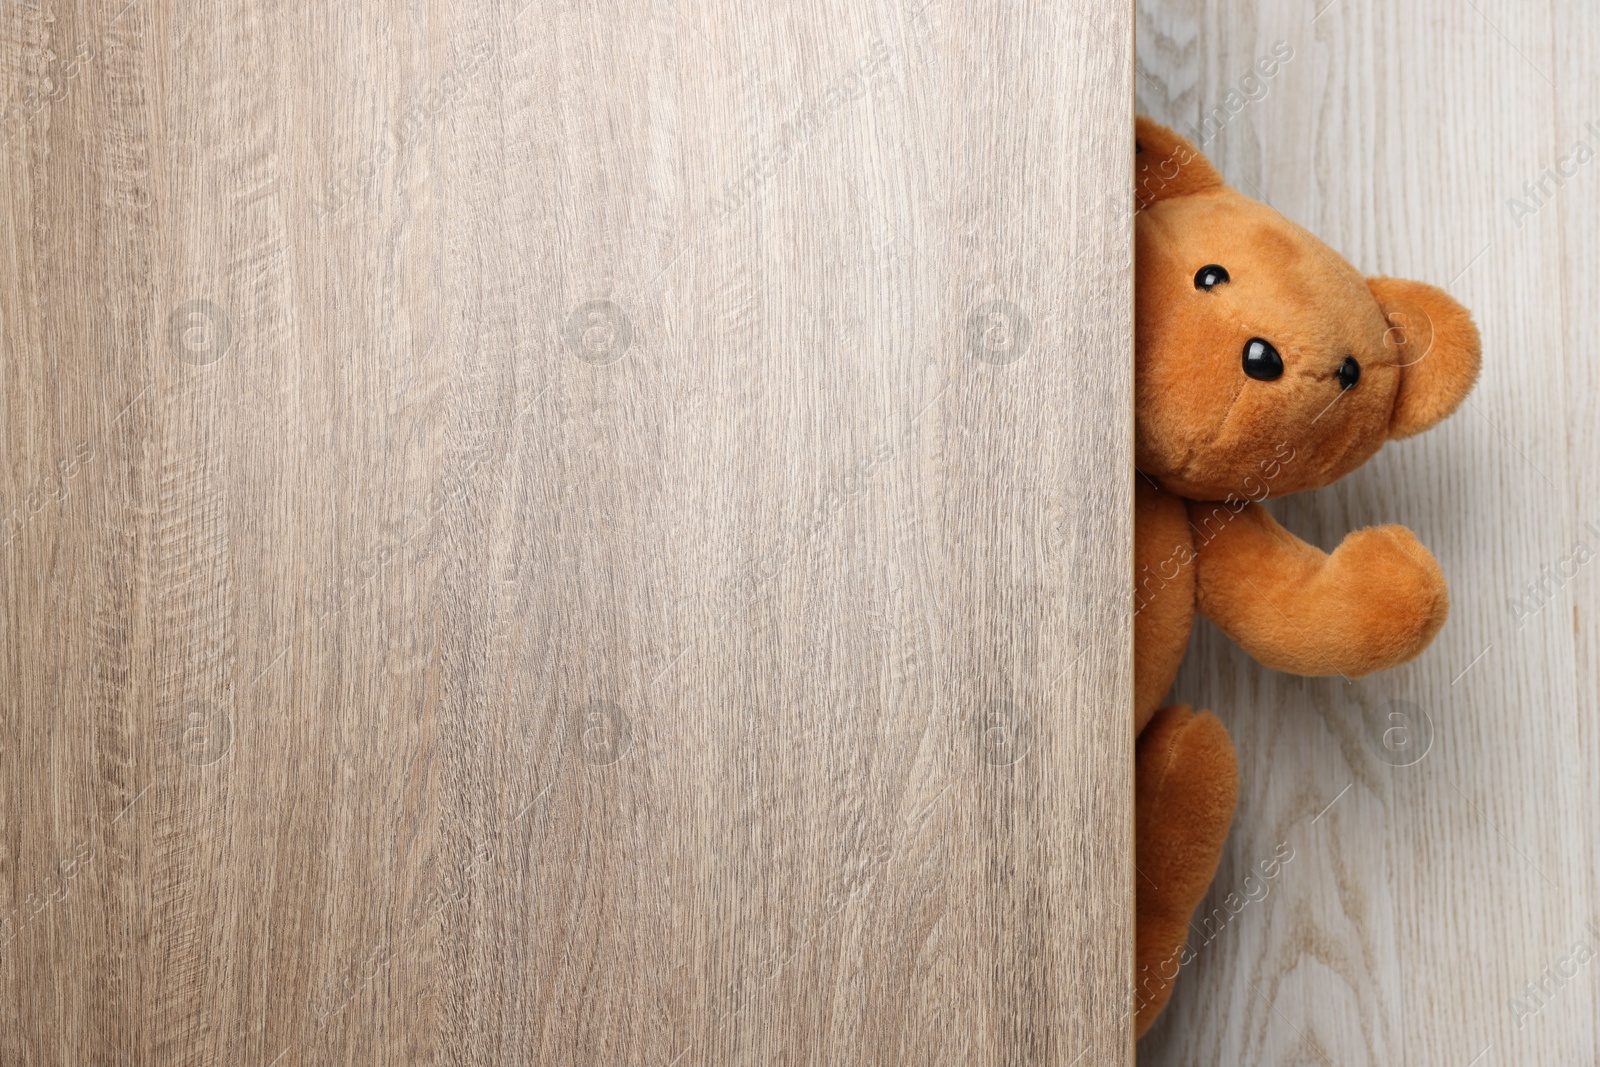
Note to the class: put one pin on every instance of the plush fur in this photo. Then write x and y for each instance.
(1211, 443)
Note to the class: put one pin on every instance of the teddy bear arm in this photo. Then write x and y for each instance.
(1372, 604)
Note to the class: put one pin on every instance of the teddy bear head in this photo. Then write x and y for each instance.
(1264, 362)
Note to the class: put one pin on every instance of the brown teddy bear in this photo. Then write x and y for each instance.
(1264, 364)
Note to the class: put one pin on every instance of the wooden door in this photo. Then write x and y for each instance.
(566, 533)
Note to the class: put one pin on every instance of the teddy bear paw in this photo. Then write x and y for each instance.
(1389, 598)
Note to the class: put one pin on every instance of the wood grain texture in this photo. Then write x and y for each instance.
(1422, 900)
(574, 533)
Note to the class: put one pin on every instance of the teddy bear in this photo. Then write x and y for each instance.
(1264, 363)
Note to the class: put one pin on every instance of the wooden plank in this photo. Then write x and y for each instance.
(1423, 899)
(566, 533)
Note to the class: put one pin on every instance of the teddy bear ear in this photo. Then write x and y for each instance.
(1167, 165)
(1439, 352)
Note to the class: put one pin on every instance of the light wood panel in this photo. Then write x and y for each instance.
(566, 533)
(1424, 898)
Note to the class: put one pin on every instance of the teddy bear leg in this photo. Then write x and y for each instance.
(1186, 784)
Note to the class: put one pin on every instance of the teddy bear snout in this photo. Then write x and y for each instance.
(1261, 360)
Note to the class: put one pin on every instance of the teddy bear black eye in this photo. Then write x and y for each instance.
(1261, 361)
(1209, 277)
(1349, 373)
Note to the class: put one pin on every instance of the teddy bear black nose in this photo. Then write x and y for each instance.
(1261, 361)
(1349, 373)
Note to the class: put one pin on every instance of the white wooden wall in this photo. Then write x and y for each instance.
(1421, 900)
